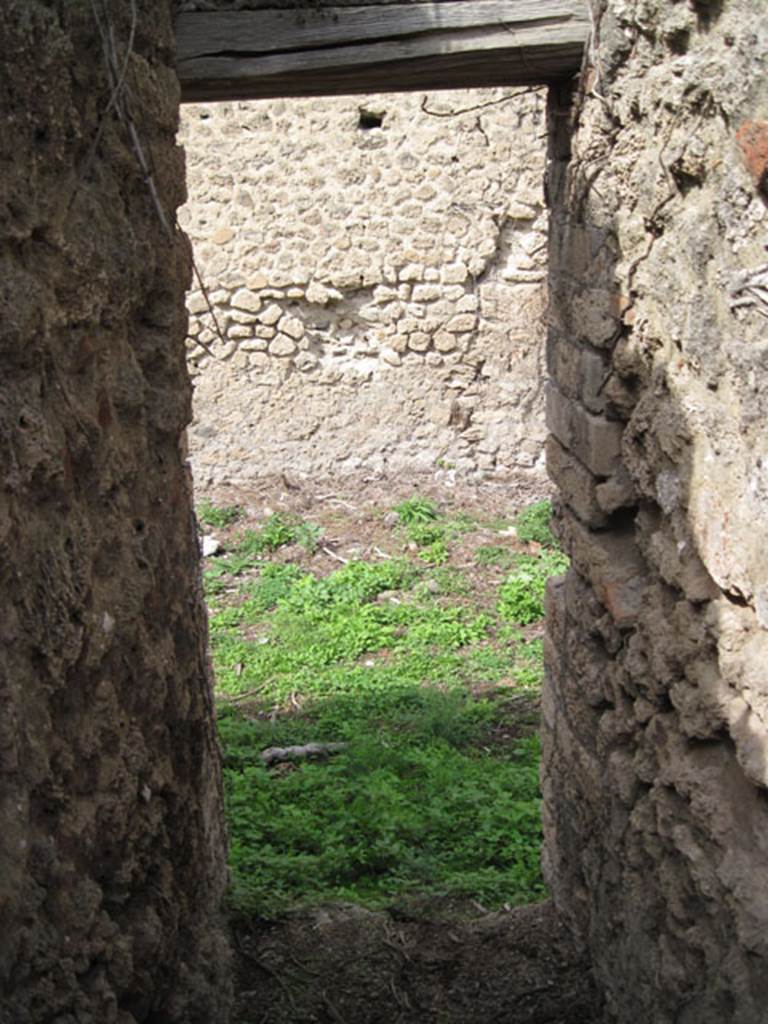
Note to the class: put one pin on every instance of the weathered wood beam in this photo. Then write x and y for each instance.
(391, 47)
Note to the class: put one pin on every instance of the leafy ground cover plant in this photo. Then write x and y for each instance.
(521, 595)
(218, 515)
(419, 671)
(533, 524)
(430, 531)
(250, 549)
(416, 510)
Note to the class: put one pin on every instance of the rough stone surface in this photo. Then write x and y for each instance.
(111, 839)
(402, 265)
(655, 742)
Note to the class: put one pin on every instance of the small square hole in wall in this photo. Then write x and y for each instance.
(370, 119)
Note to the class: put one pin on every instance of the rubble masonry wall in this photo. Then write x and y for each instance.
(656, 703)
(112, 862)
(376, 269)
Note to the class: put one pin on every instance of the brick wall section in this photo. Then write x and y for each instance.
(111, 840)
(656, 704)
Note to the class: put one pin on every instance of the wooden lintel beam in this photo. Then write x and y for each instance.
(388, 47)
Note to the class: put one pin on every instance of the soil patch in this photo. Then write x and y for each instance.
(423, 964)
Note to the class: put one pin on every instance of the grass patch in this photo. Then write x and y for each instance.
(403, 662)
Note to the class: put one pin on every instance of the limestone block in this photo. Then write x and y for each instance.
(239, 316)
(226, 350)
(256, 282)
(271, 314)
(291, 326)
(467, 304)
(391, 357)
(317, 293)
(411, 272)
(425, 292)
(418, 341)
(264, 331)
(196, 303)
(444, 341)
(516, 274)
(306, 362)
(246, 300)
(282, 346)
(461, 322)
(222, 235)
(370, 312)
(595, 441)
(408, 325)
(442, 310)
(454, 273)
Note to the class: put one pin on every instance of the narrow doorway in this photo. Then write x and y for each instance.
(366, 346)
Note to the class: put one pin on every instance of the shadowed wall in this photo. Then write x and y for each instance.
(111, 840)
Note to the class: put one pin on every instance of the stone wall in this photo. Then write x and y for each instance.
(375, 267)
(111, 840)
(656, 706)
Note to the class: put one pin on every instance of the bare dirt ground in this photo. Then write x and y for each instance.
(425, 961)
(353, 514)
(423, 964)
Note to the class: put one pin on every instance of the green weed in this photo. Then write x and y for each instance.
(416, 510)
(521, 595)
(218, 515)
(253, 546)
(532, 524)
(528, 671)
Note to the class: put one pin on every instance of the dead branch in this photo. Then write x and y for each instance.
(339, 558)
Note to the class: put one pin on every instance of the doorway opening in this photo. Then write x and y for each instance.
(367, 447)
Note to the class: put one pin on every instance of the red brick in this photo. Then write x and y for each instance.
(752, 138)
